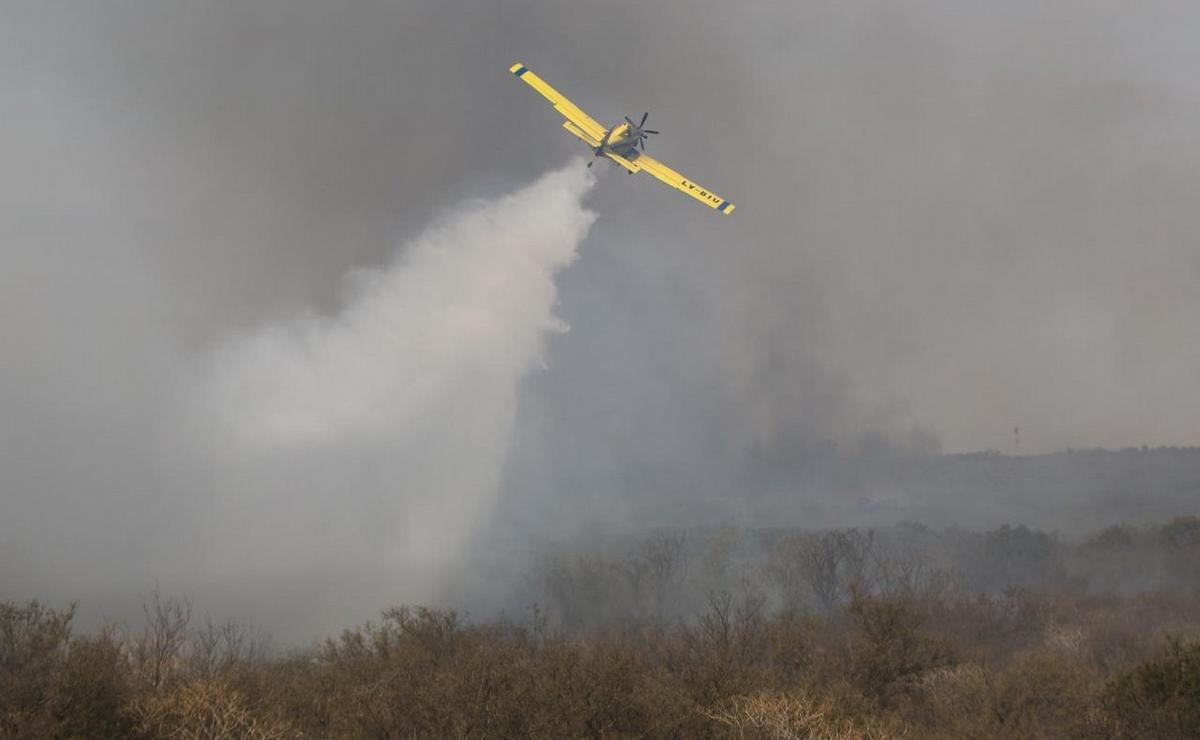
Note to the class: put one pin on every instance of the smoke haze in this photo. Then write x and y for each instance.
(952, 221)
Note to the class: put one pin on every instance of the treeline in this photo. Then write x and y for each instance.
(667, 576)
(1074, 491)
(723, 633)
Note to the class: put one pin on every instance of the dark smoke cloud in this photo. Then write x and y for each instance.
(951, 219)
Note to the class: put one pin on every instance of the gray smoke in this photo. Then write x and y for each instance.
(952, 221)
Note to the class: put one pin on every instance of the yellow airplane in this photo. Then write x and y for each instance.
(619, 143)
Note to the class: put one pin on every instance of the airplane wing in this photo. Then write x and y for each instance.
(679, 182)
(629, 164)
(583, 125)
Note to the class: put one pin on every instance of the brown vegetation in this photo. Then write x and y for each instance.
(884, 643)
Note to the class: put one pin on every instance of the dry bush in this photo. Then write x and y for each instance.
(53, 685)
(791, 641)
(93, 687)
(218, 649)
(158, 651)
(204, 710)
(725, 652)
(656, 573)
(954, 695)
(33, 643)
(825, 564)
(1159, 698)
(795, 716)
(421, 675)
(1046, 693)
(642, 582)
(1043, 693)
(1114, 639)
(891, 651)
(991, 626)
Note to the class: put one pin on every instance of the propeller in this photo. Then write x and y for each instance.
(641, 132)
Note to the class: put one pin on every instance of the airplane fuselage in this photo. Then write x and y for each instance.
(619, 141)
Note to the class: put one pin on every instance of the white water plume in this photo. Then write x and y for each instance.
(377, 435)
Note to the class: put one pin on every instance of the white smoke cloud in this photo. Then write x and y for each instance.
(375, 437)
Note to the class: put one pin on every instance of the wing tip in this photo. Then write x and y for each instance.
(518, 69)
(726, 208)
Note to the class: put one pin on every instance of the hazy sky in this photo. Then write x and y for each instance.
(952, 218)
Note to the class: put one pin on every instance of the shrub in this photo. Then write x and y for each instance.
(891, 653)
(53, 685)
(795, 716)
(1043, 693)
(33, 645)
(1159, 698)
(205, 709)
(92, 688)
